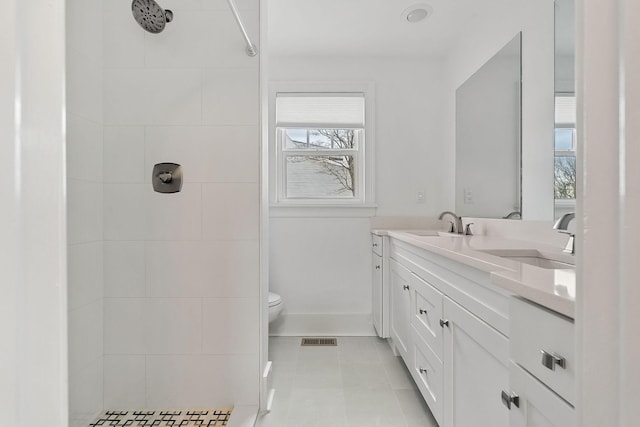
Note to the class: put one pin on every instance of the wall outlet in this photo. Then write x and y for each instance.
(468, 196)
(420, 197)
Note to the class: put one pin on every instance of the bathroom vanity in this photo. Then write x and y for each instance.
(486, 335)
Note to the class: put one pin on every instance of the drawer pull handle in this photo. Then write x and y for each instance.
(421, 311)
(377, 267)
(444, 323)
(508, 399)
(405, 287)
(422, 370)
(550, 360)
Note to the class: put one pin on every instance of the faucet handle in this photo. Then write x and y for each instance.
(467, 229)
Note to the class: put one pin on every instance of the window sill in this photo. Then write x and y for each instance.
(322, 211)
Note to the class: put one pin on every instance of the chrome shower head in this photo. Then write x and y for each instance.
(150, 15)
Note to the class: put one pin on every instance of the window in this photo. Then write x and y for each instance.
(320, 145)
(565, 148)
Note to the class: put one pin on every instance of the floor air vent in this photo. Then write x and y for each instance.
(319, 342)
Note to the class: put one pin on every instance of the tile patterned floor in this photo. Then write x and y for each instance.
(169, 418)
(356, 384)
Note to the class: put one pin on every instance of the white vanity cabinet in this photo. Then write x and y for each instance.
(399, 277)
(379, 281)
(445, 320)
(542, 368)
(476, 370)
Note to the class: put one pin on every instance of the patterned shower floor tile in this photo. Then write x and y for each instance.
(164, 418)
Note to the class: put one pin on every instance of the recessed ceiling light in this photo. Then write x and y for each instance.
(417, 13)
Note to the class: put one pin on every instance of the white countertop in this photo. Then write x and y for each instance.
(551, 288)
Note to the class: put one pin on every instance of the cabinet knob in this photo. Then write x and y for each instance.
(550, 360)
(377, 267)
(509, 399)
(375, 245)
(405, 287)
(421, 311)
(443, 323)
(422, 370)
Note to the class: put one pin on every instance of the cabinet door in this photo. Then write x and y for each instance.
(476, 370)
(537, 406)
(377, 308)
(400, 309)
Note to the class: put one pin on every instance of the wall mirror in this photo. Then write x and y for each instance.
(565, 109)
(488, 138)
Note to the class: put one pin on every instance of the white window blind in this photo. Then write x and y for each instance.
(566, 110)
(330, 110)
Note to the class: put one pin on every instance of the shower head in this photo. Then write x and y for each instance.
(150, 15)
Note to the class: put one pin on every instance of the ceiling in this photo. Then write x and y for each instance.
(367, 27)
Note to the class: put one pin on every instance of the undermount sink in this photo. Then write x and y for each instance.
(423, 232)
(534, 257)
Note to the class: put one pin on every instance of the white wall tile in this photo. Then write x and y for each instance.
(124, 382)
(85, 388)
(152, 96)
(228, 48)
(181, 44)
(229, 96)
(174, 325)
(230, 325)
(84, 149)
(84, 95)
(176, 216)
(175, 269)
(124, 274)
(198, 380)
(206, 153)
(85, 274)
(124, 211)
(230, 211)
(202, 269)
(85, 334)
(223, 5)
(125, 321)
(83, 35)
(84, 211)
(124, 154)
(123, 38)
(152, 326)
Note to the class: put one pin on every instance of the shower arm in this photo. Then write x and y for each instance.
(251, 49)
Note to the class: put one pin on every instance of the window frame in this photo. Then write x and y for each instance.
(283, 153)
(364, 187)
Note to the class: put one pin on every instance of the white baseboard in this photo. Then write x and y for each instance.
(323, 324)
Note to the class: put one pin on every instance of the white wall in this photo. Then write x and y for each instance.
(320, 263)
(33, 309)
(181, 271)
(482, 40)
(84, 189)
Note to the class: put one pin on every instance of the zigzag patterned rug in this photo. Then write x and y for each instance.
(164, 418)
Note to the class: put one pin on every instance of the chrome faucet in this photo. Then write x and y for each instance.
(456, 227)
(562, 225)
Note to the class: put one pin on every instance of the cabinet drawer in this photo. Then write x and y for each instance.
(376, 244)
(426, 313)
(542, 342)
(427, 372)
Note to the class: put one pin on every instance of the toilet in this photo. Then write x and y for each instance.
(275, 306)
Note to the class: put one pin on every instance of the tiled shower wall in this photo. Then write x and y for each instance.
(181, 271)
(85, 223)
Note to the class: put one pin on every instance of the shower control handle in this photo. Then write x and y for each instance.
(165, 177)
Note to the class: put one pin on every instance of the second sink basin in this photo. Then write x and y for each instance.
(534, 257)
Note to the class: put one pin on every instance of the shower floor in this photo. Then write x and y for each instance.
(164, 418)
